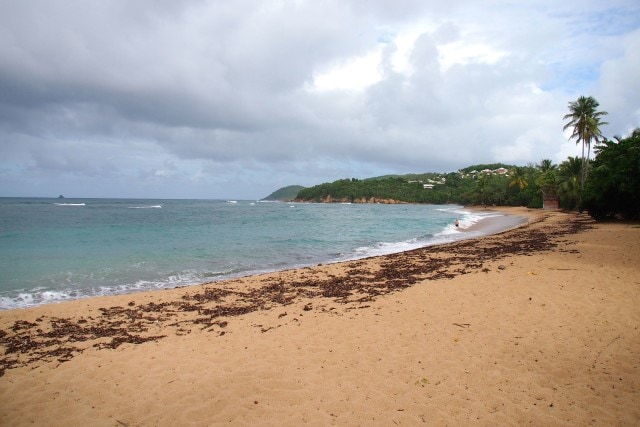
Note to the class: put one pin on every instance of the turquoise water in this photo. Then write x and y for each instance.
(60, 249)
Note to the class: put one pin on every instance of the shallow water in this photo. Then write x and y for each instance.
(54, 250)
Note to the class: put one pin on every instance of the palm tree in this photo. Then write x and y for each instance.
(518, 178)
(547, 179)
(481, 190)
(570, 172)
(585, 121)
(546, 165)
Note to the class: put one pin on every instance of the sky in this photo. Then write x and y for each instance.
(235, 99)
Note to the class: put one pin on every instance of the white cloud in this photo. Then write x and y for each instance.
(234, 99)
(618, 88)
(352, 74)
(464, 54)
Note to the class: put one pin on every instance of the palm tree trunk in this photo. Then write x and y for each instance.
(582, 174)
(586, 169)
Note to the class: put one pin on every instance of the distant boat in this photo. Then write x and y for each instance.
(232, 201)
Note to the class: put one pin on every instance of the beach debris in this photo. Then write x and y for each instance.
(502, 267)
(422, 382)
(463, 325)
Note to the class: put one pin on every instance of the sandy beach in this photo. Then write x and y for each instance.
(537, 325)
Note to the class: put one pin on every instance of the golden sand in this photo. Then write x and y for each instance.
(537, 325)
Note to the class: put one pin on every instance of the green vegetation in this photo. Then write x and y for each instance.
(614, 185)
(613, 189)
(585, 122)
(285, 193)
(478, 184)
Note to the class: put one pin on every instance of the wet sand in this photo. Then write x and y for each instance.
(538, 325)
(503, 221)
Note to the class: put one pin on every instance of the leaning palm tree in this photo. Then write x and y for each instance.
(585, 121)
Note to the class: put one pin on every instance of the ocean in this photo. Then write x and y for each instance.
(54, 250)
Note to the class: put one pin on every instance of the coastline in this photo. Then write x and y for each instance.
(506, 218)
(534, 324)
(63, 278)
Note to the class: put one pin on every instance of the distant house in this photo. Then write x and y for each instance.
(499, 171)
(428, 186)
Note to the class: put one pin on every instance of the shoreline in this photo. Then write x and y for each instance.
(534, 324)
(485, 227)
(505, 218)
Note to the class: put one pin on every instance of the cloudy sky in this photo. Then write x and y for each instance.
(235, 99)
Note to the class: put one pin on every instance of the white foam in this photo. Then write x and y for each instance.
(40, 296)
(466, 219)
(448, 209)
(146, 207)
(449, 230)
(34, 298)
(70, 204)
(450, 233)
(386, 248)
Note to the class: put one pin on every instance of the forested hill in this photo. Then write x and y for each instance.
(285, 193)
(383, 190)
(457, 187)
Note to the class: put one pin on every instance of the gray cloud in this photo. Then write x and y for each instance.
(217, 99)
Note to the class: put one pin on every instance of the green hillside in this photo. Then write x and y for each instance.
(466, 186)
(285, 193)
(612, 190)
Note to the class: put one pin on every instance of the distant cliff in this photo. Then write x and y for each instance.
(285, 193)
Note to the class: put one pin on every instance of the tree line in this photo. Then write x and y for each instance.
(606, 186)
